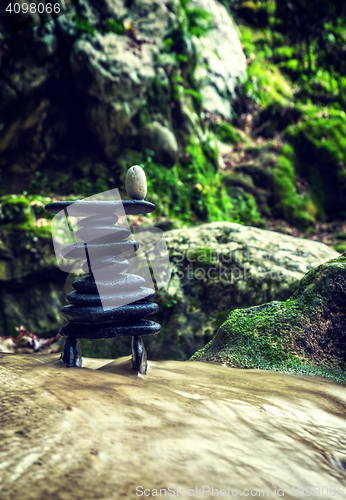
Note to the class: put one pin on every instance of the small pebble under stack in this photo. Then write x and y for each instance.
(87, 319)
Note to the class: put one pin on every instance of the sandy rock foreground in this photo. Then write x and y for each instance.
(102, 432)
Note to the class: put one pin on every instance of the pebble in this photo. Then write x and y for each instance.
(136, 183)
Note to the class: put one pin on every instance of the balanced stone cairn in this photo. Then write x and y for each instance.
(86, 316)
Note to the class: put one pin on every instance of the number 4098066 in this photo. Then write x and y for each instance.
(33, 8)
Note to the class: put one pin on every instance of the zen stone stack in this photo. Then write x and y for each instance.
(86, 316)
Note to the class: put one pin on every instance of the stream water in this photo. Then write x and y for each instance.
(201, 430)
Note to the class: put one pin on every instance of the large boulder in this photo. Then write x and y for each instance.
(73, 87)
(114, 77)
(305, 334)
(102, 432)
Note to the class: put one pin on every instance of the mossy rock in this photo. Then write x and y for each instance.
(225, 132)
(320, 149)
(299, 210)
(271, 178)
(305, 334)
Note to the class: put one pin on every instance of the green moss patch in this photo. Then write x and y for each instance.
(296, 209)
(191, 190)
(319, 143)
(225, 132)
(266, 83)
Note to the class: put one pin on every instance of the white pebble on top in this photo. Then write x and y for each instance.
(136, 183)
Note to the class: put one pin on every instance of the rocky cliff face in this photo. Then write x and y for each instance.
(93, 80)
(31, 285)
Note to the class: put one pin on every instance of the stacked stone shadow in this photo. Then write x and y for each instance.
(86, 316)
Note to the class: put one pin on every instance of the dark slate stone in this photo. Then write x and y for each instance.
(76, 251)
(113, 299)
(102, 234)
(131, 207)
(120, 264)
(96, 220)
(96, 314)
(72, 355)
(87, 284)
(106, 331)
(139, 355)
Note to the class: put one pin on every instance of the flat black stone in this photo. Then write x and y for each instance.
(131, 207)
(97, 220)
(100, 232)
(87, 284)
(96, 314)
(119, 265)
(84, 299)
(106, 331)
(76, 251)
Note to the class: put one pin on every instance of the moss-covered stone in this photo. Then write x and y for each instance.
(219, 267)
(305, 334)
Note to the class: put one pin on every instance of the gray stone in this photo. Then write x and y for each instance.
(152, 19)
(162, 141)
(114, 76)
(222, 60)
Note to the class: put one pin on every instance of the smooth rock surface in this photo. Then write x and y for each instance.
(114, 79)
(106, 331)
(222, 61)
(102, 431)
(128, 281)
(97, 314)
(162, 141)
